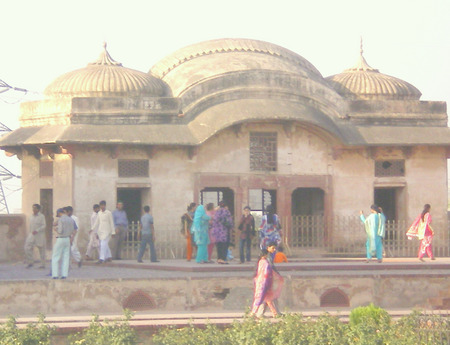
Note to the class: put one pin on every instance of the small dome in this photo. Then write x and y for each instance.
(106, 77)
(365, 82)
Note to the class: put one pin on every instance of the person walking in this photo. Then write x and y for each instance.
(201, 237)
(247, 228)
(121, 228)
(221, 228)
(186, 224)
(146, 234)
(36, 237)
(106, 229)
(74, 251)
(421, 228)
(61, 250)
(93, 234)
(268, 283)
(375, 230)
(270, 229)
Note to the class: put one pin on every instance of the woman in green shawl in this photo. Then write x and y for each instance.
(201, 237)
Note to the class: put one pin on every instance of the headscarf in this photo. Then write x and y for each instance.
(198, 217)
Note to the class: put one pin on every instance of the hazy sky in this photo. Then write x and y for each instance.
(41, 40)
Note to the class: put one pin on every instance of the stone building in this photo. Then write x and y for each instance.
(242, 120)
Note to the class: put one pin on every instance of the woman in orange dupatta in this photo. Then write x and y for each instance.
(268, 284)
(422, 229)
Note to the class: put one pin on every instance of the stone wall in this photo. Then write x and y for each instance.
(71, 297)
(13, 233)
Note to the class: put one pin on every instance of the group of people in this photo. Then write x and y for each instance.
(204, 228)
(106, 225)
(375, 226)
(209, 227)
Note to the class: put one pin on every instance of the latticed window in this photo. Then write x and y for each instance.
(46, 168)
(133, 168)
(389, 168)
(263, 151)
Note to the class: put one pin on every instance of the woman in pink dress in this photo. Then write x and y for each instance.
(421, 228)
(268, 284)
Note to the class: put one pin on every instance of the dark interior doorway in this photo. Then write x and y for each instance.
(308, 202)
(46, 202)
(132, 202)
(386, 198)
(217, 194)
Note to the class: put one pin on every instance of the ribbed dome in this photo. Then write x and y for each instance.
(365, 82)
(208, 60)
(106, 77)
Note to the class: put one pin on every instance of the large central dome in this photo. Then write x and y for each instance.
(201, 61)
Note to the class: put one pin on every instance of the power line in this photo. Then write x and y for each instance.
(4, 87)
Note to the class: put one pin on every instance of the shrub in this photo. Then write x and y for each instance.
(33, 334)
(116, 332)
(368, 325)
(253, 331)
(190, 335)
(292, 330)
(327, 330)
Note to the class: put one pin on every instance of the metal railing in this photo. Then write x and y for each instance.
(346, 236)
(315, 236)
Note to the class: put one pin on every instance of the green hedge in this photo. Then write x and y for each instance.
(367, 326)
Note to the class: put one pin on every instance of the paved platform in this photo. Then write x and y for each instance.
(130, 269)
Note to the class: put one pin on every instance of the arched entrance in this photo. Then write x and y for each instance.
(308, 224)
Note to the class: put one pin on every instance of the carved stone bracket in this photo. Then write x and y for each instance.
(289, 128)
(151, 151)
(371, 152)
(192, 152)
(239, 129)
(67, 150)
(407, 151)
(33, 151)
(115, 151)
(336, 152)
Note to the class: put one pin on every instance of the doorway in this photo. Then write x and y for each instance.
(386, 198)
(132, 202)
(46, 202)
(308, 202)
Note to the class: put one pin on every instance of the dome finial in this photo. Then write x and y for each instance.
(361, 46)
(105, 58)
(361, 64)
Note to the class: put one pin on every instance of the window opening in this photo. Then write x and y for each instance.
(263, 151)
(133, 168)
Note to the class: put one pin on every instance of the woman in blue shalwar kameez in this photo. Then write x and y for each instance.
(201, 237)
(375, 230)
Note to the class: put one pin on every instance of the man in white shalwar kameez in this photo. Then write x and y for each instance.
(94, 242)
(105, 224)
(36, 237)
